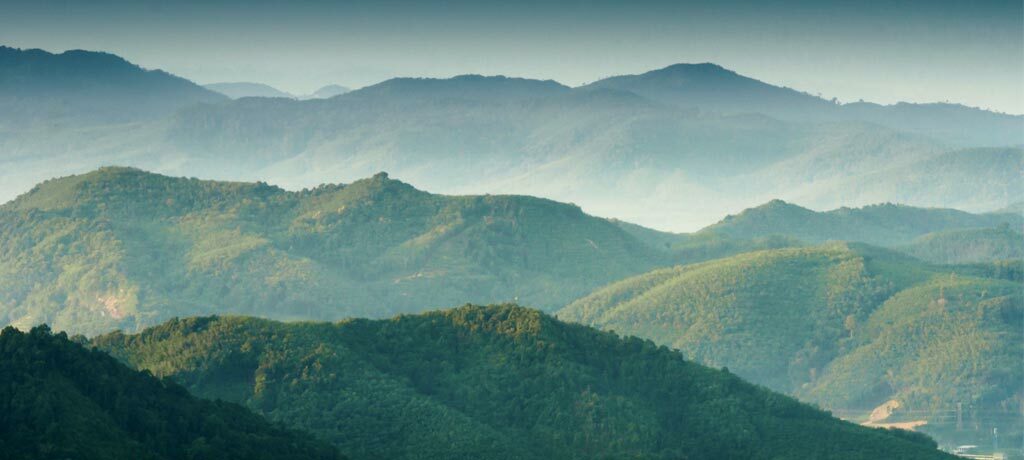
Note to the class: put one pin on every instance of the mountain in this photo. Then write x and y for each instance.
(40, 89)
(615, 150)
(61, 400)
(968, 246)
(493, 382)
(327, 92)
(884, 224)
(236, 90)
(712, 88)
(122, 248)
(845, 326)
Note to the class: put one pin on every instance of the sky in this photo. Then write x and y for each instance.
(969, 52)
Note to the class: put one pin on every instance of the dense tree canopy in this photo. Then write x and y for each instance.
(494, 382)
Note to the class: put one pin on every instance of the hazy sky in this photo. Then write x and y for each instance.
(970, 52)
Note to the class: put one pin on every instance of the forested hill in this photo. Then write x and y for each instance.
(59, 400)
(882, 224)
(844, 326)
(122, 248)
(498, 382)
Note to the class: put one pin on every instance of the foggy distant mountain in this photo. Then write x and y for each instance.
(464, 87)
(713, 88)
(85, 87)
(328, 91)
(674, 149)
(236, 90)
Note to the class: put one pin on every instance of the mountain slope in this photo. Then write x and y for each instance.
(884, 224)
(493, 382)
(84, 87)
(968, 246)
(121, 248)
(845, 326)
(236, 90)
(60, 400)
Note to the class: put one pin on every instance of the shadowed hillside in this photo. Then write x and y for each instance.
(60, 400)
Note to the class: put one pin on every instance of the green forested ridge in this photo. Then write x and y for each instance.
(841, 325)
(59, 400)
(122, 248)
(493, 382)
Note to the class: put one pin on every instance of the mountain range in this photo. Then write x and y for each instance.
(665, 149)
(124, 248)
(889, 296)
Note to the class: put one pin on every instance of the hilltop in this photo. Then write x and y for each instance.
(493, 382)
(123, 248)
(61, 400)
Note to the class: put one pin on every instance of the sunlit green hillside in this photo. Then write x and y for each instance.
(122, 248)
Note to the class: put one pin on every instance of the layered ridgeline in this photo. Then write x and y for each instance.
(641, 151)
(933, 234)
(122, 248)
(848, 327)
(497, 382)
(61, 400)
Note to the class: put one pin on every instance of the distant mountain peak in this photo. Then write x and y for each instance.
(703, 68)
